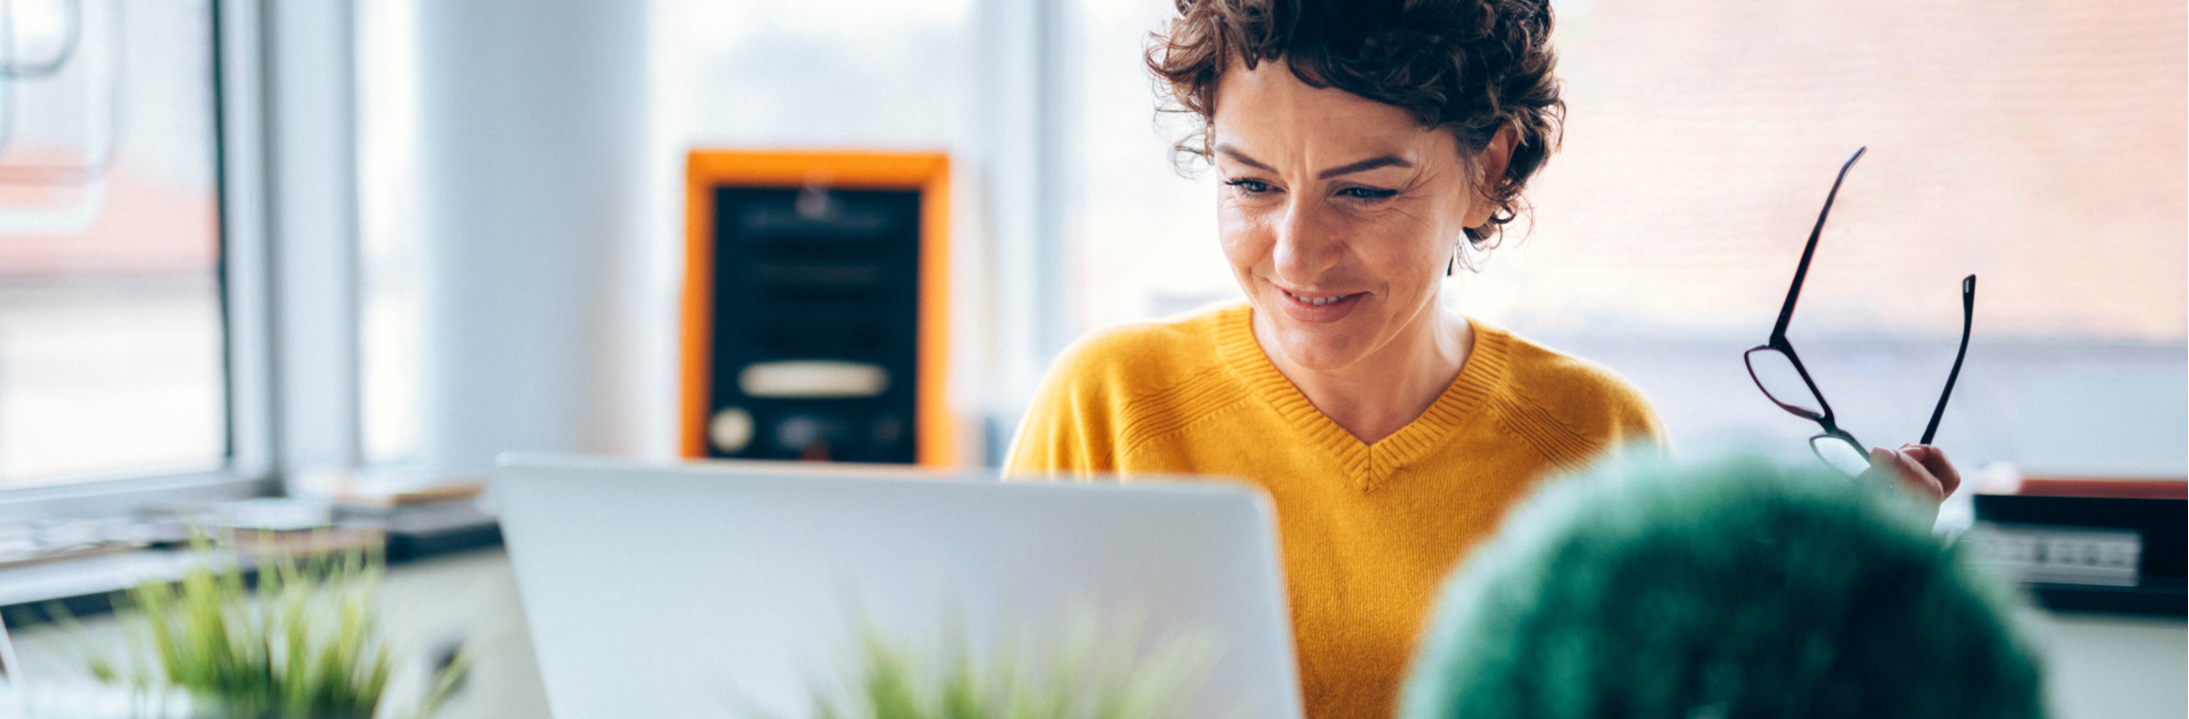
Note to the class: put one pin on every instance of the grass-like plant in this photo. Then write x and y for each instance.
(306, 640)
(1090, 671)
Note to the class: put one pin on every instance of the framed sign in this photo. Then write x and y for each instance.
(816, 307)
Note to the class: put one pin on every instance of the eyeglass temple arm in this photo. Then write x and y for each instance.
(1801, 272)
(1968, 318)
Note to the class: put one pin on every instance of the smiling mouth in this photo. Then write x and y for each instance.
(1321, 301)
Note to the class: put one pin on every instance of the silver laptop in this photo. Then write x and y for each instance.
(743, 589)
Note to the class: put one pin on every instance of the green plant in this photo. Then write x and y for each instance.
(1091, 671)
(1653, 590)
(307, 640)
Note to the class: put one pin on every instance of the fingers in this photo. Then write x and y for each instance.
(1906, 470)
(1934, 460)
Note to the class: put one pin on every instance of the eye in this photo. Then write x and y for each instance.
(1251, 187)
(1367, 193)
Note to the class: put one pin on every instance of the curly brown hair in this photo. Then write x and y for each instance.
(1469, 66)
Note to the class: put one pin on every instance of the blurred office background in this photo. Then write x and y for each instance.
(244, 245)
(462, 230)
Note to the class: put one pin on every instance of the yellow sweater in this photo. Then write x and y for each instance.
(1368, 533)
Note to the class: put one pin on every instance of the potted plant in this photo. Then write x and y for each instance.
(1089, 670)
(307, 639)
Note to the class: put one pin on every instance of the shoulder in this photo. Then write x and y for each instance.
(1587, 398)
(1143, 357)
(1109, 383)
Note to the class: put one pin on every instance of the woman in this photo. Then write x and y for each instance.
(1357, 143)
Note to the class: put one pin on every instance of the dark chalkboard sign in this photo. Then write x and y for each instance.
(815, 307)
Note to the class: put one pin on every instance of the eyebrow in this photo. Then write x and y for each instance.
(1241, 158)
(1362, 166)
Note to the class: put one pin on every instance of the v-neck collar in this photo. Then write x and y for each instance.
(1366, 465)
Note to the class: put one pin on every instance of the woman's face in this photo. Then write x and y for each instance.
(1338, 213)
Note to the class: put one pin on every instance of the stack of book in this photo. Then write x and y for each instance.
(445, 518)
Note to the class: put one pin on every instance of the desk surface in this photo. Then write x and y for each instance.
(2097, 666)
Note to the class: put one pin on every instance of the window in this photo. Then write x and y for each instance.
(112, 334)
(391, 272)
(873, 73)
(1145, 236)
(2039, 147)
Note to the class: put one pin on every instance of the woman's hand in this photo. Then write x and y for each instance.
(1921, 468)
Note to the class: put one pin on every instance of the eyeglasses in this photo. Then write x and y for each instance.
(1778, 371)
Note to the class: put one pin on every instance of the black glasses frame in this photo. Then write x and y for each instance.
(1823, 416)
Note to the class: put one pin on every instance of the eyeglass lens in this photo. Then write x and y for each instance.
(1775, 374)
(1840, 454)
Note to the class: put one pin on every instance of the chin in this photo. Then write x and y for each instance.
(1320, 347)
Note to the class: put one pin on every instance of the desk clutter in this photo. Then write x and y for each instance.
(74, 566)
(2125, 553)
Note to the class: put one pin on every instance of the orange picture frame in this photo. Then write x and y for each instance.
(929, 173)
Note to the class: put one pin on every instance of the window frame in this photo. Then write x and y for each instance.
(278, 253)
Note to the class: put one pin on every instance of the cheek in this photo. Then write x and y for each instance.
(1407, 254)
(1245, 236)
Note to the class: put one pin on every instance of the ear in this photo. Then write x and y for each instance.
(1490, 164)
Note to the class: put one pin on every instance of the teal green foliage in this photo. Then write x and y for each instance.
(307, 641)
(1734, 590)
(1093, 671)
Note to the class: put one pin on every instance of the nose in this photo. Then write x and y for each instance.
(1306, 247)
